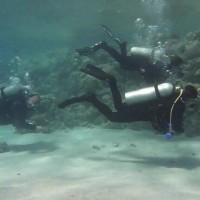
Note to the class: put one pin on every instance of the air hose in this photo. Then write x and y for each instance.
(169, 134)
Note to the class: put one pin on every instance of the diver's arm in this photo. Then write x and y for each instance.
(18, 116)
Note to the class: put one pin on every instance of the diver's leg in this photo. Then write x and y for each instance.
(117, 99)
(89, 50)
(83, 98)
(113, 53)
(103, 45)
(107, 112)
(122, 47)
(100, 74)
(122, 115)
(96, 72)
(91, 98)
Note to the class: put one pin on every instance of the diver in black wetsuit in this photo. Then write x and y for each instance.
(143, 61)
(161, 105)
(15, 104)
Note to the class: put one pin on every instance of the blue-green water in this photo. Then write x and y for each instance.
(42, 25)
(81, 160)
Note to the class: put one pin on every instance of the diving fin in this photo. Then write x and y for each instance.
(89, 50)
(83, 98)
(109, 33)
(67, 102)
(97, 73)
(85, 51)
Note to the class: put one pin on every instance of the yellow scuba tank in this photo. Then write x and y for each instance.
(149, 94)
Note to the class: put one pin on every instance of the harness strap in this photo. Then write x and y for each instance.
(157, 92)
(3, 94)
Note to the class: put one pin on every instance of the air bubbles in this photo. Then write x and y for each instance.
(153, 29)
(160, 54)
(27, 77)
(139, 23)
(15, 61)
(155, 6)
(14, 80)
(139, 30)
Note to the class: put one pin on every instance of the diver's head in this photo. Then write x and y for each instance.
(175, 60)
(33, 100)
(190, 92)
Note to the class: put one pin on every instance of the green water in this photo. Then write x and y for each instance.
(41, 25)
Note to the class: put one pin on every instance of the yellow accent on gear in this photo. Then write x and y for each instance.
(170, 119)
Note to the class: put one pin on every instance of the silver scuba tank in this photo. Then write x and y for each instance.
(10, 91)
(149, 93)
(142, 51)
(156, 53)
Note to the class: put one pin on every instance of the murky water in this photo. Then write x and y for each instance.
(42, 25)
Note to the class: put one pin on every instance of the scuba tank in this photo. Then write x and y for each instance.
(11, 91)
(149, 94)
(155, 54)
(141, 51)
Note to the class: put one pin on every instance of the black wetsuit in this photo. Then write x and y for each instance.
(156, 112)
(153, 72)
(14, 108)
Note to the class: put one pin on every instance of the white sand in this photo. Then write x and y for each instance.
(99, 164)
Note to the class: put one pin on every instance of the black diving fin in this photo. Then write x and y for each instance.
(97, 72)
(109, 33)
(83, 98)
(67, 102)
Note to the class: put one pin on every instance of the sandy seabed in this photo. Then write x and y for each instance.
(99, 164)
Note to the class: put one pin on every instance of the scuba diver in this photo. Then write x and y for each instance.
(146, 61)
(15, 104)
(163, 105)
